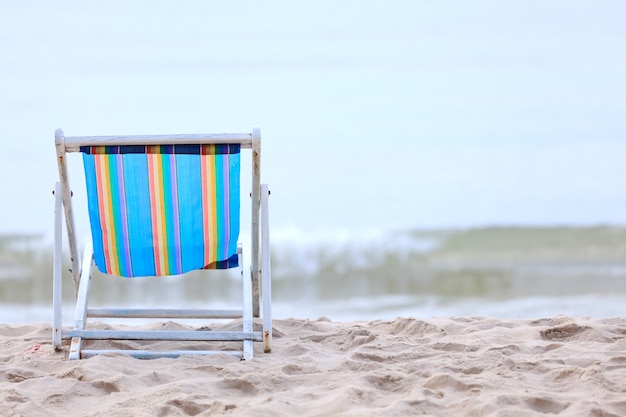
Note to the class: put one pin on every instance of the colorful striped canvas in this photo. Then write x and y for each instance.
(163, 210)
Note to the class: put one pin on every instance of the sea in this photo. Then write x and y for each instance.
(504, 272)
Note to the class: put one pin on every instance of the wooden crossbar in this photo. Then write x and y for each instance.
(173, 335)
(160, 313)
(73, 143)
(153, 354)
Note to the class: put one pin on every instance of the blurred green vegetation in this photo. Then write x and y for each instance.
(601, 243)
(25, 269)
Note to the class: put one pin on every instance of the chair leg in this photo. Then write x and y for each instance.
(76, 345)
(57, 273)
(266, 273)
(246, 282)
(82, 301)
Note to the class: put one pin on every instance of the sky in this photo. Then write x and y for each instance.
(375, 115)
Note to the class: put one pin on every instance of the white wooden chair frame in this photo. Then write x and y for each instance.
(256, 276)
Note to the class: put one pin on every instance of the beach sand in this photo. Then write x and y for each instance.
(464, 366)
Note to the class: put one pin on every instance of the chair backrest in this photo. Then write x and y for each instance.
(164, 209)
(117, 225)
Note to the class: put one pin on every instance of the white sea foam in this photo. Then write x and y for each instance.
(306, 252)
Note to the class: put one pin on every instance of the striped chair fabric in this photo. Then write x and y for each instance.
(163, 210)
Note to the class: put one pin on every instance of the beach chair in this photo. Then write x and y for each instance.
(163, 205)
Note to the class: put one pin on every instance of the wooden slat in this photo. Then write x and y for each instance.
(254, 233)
(195, 335)
(153, 354)
(73, 143)
(160, 313)
(59, 143)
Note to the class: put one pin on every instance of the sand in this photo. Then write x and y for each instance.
(467, 366)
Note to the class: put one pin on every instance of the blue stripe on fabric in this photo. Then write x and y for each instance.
(172, 226)
(94, 211)
(225, 206)
(235, 203)
(139, 214)
(188, 170)
(176, 217)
